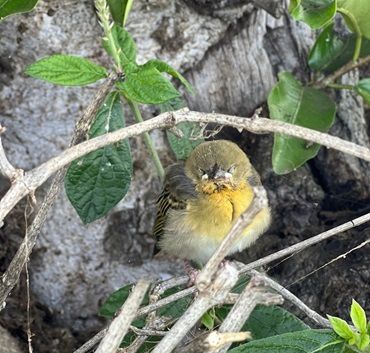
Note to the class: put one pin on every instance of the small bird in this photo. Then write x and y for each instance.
(203, 198)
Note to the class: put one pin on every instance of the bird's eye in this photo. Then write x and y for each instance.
(231, 170)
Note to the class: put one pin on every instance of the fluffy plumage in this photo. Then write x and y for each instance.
(202, 199)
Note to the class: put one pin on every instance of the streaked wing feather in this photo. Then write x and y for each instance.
(178, 188)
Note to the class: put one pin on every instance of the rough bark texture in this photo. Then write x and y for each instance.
(232, 58)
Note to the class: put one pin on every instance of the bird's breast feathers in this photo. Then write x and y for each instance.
(212, 215)
(196, 231)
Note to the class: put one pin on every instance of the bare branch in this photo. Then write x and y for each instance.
(306, 243)
(258, 203)
(247, 301)
(35, 177)
(313, 315)
(213, 295)
(121, 324)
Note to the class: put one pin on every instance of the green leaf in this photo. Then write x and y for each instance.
(266, 321)
(293, 103)
(183, 146)
(316, 13)
(125, 45)
(115, 301)
(66, 70)
(356, 13)
(120, 10)
(364, 341)
(161, 66)
(208, 319)
(358, 316)
(11, 7)
(98, 181)
(341, 328)
(307, 341)
(332, 50)
(175, 309)
(241, 284)
(147, 86)
(363, 88)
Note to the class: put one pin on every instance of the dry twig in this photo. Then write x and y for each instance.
(121, 324)
(214, 294)
(240, 312)
(311, 314)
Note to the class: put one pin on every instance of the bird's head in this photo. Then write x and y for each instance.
(217, 165)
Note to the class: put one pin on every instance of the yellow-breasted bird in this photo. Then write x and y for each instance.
(203, 198)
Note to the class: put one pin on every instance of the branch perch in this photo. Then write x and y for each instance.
(37, 176)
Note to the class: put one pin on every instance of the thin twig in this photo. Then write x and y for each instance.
(11, 276)
(311, 314)
(306, 243)
(351, 65)
(259, 202)
(92, 342)
(37, 176)
(121, 324)
(342, 256)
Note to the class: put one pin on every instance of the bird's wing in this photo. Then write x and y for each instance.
(178, 188)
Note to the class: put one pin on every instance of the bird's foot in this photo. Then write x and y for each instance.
(225, 263)
(191, 272)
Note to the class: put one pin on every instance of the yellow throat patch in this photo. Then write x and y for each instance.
(215, 211)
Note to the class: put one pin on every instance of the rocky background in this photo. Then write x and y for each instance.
(231, 53)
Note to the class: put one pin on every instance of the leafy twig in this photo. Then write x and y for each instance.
(242, 269)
